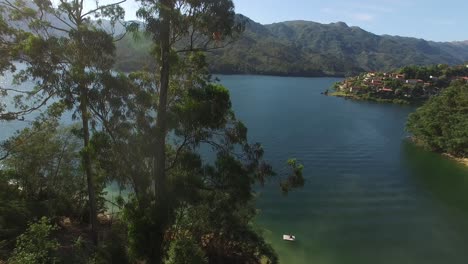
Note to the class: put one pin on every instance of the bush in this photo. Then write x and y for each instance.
(441, 124)
(35, 246)
(185, 251)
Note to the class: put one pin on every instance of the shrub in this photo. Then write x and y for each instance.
(35, 246)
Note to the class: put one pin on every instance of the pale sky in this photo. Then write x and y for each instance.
(429, 19)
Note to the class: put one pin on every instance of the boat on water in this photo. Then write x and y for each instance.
(289, 237)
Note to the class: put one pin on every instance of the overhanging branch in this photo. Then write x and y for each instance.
(101, 7)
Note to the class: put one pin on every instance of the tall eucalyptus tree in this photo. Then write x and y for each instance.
(67, 52)
(179, 26)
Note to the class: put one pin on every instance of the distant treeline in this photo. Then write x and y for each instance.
(442, 123)
(302, 48)
(406, 85)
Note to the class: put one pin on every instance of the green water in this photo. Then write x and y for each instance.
(370, 196)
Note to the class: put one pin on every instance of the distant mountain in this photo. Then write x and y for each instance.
(300, 48)
(303, 48)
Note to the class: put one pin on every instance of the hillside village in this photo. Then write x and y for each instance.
(412, 83)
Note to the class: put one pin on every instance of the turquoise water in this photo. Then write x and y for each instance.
(370, 196)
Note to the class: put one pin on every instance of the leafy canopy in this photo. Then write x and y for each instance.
(441, 124)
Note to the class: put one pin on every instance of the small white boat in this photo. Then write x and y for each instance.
(289, 237)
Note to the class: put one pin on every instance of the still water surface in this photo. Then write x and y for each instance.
(370, 196)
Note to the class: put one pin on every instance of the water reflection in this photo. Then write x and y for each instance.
(442, 178)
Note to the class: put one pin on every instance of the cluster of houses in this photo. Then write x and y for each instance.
(387, 84)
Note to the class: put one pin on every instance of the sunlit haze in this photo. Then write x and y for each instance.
(431, 20)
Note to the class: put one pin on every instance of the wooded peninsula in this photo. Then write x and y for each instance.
(441, 123)
(410, 84)
(141, 120)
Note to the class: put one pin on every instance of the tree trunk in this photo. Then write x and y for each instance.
(87, 164)
(159, 172)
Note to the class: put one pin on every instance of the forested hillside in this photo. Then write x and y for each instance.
(442, 124)
(311, 49)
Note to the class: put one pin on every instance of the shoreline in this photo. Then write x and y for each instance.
(371, 99)
(462, 161)
(273, 74)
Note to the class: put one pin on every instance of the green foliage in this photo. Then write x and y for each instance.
(183, 209)
(299, 48)
(44, 162)
(132, 53)
(200, 113)
(11, 37)
(424, 82)
(185, 251)
(424, 72)
(393, 83)
(14, 213)
(36, 245)
(40, 176)
(442, 123)
(206, 107)
(113, 249)
(145, 222)
(295, 179)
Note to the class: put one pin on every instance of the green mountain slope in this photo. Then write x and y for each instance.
(304, 48)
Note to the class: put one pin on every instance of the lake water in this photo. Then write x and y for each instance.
(370, 196)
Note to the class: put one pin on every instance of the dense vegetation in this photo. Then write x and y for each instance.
(141, 131)
(301, 48)
(409, 84)
(441, 124)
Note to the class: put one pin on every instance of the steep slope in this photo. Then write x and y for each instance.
(458, 49)
(304, 48)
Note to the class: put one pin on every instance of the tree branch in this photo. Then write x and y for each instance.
(16, 91)
(205, 49)
(63, 20)
(101, 7)
(6, 155)
(179, 149)
(9, 115)
(70, 14)
(59, 29)
(121, 37)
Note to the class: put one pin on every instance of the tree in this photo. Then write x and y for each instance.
(14, 212)
(180, 99)
(137, 112)
(68, 53)
(41, 176)
(43, 161)
(441, 123)
(198, 24)
(199, 114)
(185, 251)
(10, 39)
(36, 246)
(178, 27)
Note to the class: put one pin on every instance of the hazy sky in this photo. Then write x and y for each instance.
(439, 20)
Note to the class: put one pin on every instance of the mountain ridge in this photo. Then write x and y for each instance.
(249, 20)
(304, 48)
(307, 48)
